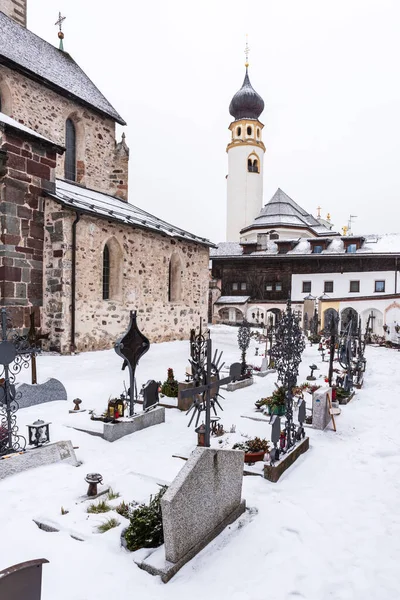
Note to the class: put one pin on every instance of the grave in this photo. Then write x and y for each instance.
(321, 403)
(265, 369)
(121, 427)
(38, 457)
(150, 394)
(237, 382)
(31, 395)
(22, 581)
(204, 498)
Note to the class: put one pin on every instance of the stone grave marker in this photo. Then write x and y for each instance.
(320, 402)
(203, 499)
(38, 457)
(150, 394)
(31, 395)
(22, 581)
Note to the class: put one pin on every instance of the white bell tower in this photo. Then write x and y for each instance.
(245, 160)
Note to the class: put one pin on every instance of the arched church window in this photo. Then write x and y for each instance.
(239, 131)
(70, 152)
(175, 278)
(249, 130)
(106, 273)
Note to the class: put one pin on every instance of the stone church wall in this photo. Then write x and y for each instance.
(28, 171)
(101, 163)
(16, 9)
(141, 259)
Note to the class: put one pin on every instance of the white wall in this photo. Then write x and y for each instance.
(244, 190)
(284, 234)
(341, 284)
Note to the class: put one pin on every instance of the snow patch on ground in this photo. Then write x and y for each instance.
(330, 528)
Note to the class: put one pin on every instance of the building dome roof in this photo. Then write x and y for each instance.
(246, 103)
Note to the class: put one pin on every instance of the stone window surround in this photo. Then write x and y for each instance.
(115, 270)
(175, 278)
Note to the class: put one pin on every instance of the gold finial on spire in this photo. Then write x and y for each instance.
(345, 230)
(59, 22)
(328, 217)
(319, 212)
(246, 51)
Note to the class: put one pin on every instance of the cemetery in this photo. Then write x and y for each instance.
(182, 487)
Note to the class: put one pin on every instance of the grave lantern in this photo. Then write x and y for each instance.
(38, 433)
(116, 408)
(201, 435)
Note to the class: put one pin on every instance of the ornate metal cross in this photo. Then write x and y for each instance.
(15, 354)
(289, 345)
(205, 392)
(131, 347)
(243, 343)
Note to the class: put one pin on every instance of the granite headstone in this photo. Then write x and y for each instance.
(31, 395)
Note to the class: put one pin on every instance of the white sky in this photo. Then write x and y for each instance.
(328, 72)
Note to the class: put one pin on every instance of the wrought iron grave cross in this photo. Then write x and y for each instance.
(15, 354)
(131, 347)
(205, 394)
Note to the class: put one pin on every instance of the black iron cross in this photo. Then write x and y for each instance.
(209, 390)
(131, 347)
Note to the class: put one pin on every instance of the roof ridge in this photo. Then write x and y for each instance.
(38, 58)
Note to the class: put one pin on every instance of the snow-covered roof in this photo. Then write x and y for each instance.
(9, 122)
(282, 211)
(387, 243)
(233, 300)
(88, 201)
(37, 58)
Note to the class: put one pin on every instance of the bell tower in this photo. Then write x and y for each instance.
(16, 9)
(245, 159)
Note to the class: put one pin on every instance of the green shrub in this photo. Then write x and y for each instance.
(145, 529)
(170, 386)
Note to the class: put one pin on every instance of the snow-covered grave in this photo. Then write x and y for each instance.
(328, 528)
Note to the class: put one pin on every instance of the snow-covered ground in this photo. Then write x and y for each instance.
(330, 528)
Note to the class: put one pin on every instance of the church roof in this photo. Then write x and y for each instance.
(107, 207)
(9, 123)
(373, 244)
(282, 211)
(24, 51)
(246, 103)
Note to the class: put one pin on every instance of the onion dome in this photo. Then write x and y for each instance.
(246, 103)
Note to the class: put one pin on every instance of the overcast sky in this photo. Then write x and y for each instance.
(328, 72)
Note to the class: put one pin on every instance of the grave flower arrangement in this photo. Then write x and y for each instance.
(254, 449)
(275, 404)
(170, 386)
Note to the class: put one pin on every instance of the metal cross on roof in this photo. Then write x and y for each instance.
(246, 51)
(60, 21)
